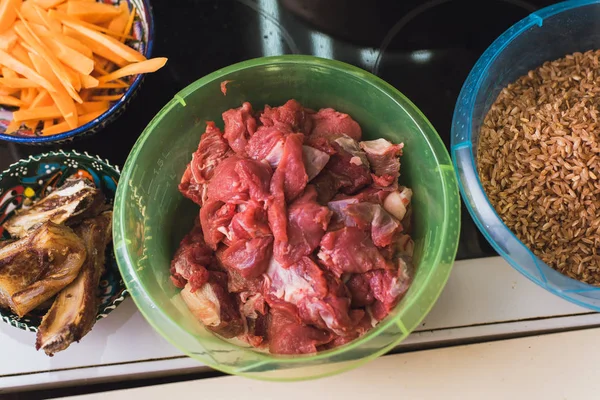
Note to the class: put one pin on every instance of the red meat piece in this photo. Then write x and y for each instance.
(291, 114)
(369, 217)
(296, 283)
(327, 185)
(212, 149)
(267, 144)
(288, 335)
(292, 168)
(350, 250)
(384, 158)
(359, 328)
(191, 261)
(240, 125)
(238, 179)
(215, 217)
(381, 290)
(349, 165)
(248, 257)
(249, 222)
(307, 223)
(329, 122)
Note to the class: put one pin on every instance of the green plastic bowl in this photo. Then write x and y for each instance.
(151, 216)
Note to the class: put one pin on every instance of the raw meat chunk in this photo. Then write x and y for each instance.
(329, 122)
(291, 114)
(384, 158)
(267, 144)
(240, 125)
(314, 161)
(307, 223)
(191, 260)
(288, 335)
(349, 165)
(248, 257)
(214, 217)
(211, 151)
(249, 222)
(350, 250)
(292, 168)
(239, 179)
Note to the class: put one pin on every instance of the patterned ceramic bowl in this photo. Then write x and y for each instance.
(36, 176)
(143, 33)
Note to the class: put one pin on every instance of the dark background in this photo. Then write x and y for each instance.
(424, 48)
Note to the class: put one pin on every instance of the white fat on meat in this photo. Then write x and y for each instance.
(286, 284)
(203, 303)
(397, 202)
(359, 157)
(274, 156)
(377, 147)
(314, 161)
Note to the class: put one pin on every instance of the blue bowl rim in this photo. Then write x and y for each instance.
(108, 113)
(466, 98)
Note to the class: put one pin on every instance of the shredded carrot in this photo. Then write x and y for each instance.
(9, 73)
(110, 97)
(19, 67)
(63, 16)
(141, 67)
(8, 40)
(115, 85)
(11, 101)
(91, 106)
(119, 23)
(129, 24)
(88, 81)
(8, 13)
(39, 113)
(92, 12)
(12, 127)
(61, 98)
(17, 83)
(63, 126)
(46, 4)
(43, 99)
(48, 123)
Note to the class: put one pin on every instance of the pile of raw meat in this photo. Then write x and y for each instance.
(302, 241)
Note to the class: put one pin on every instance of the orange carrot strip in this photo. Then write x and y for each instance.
(88, 81)
(110, 97)
(48, 123)
(51, 23)
(11, 101)
(61, 98)
(69, 57)
(17, 66)
(62, 16)
(9, 73)
(142, 67)
(95, 47)
(92, 12)
(107, 42)
(28, 95)
(8, 13)
(46, 4)
(17, 83)
(119, 23)
(8, 40)
(39, 113)
(116, 85)
(63, 126)
(129, 24)
(91, 106)
(28, 36)
(43, 99)
(12, 127)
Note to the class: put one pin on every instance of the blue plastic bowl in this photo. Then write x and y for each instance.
(143, 32)
(545, 35)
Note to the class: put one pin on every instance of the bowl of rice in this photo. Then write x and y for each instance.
(526, 148)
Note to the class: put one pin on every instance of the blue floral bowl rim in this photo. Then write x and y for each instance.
(124, 293)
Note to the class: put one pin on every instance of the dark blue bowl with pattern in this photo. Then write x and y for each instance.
(33, 178)
(143, 34)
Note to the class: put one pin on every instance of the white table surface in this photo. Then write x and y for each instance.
(484, 299)
(551, 367)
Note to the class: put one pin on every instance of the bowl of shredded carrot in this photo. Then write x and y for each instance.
(70, 67)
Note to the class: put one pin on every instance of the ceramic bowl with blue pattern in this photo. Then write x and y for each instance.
(143, 39)
(33, 178)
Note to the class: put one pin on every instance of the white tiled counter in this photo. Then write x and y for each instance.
(484, 299)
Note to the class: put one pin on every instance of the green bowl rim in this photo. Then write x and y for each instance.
(445, 250)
